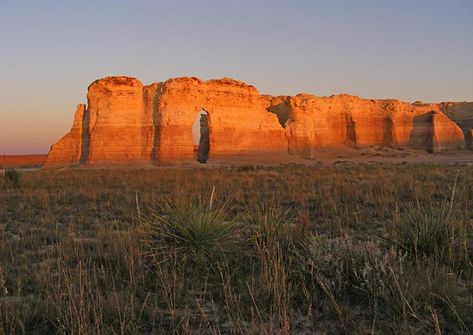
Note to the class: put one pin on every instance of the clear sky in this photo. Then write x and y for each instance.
(51, 50)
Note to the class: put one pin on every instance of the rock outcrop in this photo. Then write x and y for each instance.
(238, 120)
(68, 150)
(127, 122)
(120, 128)
(462, 114)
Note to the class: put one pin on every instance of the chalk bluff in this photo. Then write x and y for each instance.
(127, 122)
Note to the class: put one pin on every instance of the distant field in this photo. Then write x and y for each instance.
(334, 249)
(23, 160)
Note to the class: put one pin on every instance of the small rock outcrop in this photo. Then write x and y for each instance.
(68, 150)
(127, 122)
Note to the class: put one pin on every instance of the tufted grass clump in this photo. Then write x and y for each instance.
(279, 243)
(272, 228)
(192, 234)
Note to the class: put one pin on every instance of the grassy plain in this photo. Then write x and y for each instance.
(341, 248)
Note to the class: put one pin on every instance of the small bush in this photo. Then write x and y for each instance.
(13, 176)
(192, 234)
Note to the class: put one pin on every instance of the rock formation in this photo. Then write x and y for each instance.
(461, 113)
(126, 122)
(68, 150)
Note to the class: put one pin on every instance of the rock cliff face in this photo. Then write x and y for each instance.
(68, 150)
(462, 114)
(120, 127)
(126, 122)
(237, 117)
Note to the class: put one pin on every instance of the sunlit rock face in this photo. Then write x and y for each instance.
(120, 127)
(68, 150)
(127, 122)
(239, 122)
(347, 121)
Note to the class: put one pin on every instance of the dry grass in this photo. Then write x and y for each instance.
(318, 250)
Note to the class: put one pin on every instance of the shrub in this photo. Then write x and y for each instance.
(192, 234)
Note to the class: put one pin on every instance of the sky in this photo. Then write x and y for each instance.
(50, 51)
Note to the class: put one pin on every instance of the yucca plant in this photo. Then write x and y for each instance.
(192, 233)
(428, 231)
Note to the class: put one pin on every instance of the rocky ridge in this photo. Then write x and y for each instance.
(127, 122)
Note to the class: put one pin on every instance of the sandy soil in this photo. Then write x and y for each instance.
(379, 155)
(356, 156)
(385, 155)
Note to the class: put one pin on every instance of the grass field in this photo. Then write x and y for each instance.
(357, 249)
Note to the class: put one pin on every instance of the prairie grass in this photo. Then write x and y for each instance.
(381, 249)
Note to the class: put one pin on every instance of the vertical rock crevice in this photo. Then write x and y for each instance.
(85, 137)
(388, 131)
(351, 132)
(156, 129)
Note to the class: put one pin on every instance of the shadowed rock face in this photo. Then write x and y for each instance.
(461, 113)
(126, 122)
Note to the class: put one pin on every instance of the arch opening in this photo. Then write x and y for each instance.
(201, 136)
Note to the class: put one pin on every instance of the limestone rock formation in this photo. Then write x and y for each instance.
(126, 122)
(68, 150)
(119, 126)
(435, 132)
(461, 113)
(238, 120)
(343, 120)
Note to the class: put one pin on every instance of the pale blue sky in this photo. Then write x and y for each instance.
(51, 50)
